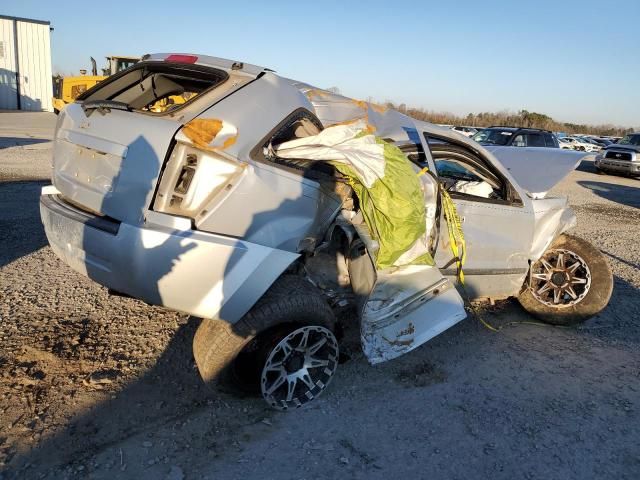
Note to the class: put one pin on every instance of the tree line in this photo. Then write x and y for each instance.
(523, 118)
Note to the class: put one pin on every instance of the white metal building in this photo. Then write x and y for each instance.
(25, 64)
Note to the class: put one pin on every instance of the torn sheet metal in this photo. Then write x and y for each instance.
(410, 301)
(405, 309)
(332, 108)
(553, 217)
(536, 169)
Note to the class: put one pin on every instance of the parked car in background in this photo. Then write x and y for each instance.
(605, 142)
(466, 131)
(580, 145)
(516, 137)
(622, 157)
(596, 147)
(566, 144)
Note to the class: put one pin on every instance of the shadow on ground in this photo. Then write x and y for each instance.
(7, 142)
(618, 322)
(587, 166)
(621, 194)
(622, 260)
(21, 232)
(167, 393)
(171, 394)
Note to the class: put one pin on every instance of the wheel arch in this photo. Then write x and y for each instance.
(249, 286)
(548, 229)
(289, 300)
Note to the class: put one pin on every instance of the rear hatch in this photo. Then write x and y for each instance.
(110, 145)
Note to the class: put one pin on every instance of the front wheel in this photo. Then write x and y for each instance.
(570, 283)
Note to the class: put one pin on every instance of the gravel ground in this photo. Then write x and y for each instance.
(93, 386)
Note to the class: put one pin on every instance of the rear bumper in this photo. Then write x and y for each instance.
(202, 274)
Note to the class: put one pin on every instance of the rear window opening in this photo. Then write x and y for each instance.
(156, 87)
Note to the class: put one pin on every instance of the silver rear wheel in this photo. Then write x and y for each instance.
(299, 367)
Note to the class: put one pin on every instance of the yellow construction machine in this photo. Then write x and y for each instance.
(67, 89)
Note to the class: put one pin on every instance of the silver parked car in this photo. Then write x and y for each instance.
(621, 158)
(198, 184)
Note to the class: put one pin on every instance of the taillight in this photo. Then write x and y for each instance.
(195, 180)
(199, 173)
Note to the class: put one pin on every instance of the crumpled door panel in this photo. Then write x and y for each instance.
(406, 308)
(400, 308)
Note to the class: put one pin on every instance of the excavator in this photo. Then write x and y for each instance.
(67, 89)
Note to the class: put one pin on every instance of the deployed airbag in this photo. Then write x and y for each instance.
(389, 191)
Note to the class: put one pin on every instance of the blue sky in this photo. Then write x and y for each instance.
(577, 61)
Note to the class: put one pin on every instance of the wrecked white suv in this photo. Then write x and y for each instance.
(219, 189)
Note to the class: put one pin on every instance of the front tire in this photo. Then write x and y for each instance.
(237, 354)
(570, 283)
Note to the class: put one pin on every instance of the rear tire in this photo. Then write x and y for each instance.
(592, 296)
(235, 354)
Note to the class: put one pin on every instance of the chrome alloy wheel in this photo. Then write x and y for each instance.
(560, 279)
(299, 367)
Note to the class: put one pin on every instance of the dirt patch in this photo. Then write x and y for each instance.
(421, 375)
(93, 386)
(611, 212)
